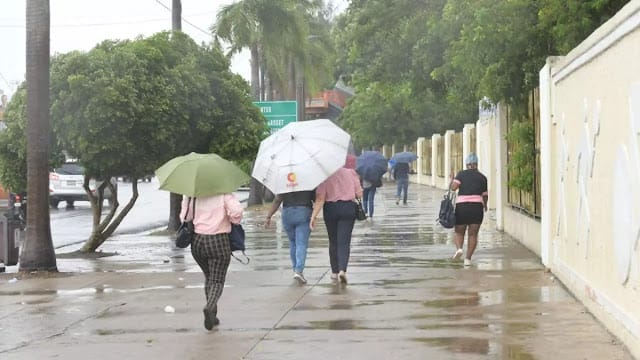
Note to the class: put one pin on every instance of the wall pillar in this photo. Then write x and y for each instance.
(420, 150)
(546, 128)
(434, 158)
(467, 130)
(500, 161)
(447, 158)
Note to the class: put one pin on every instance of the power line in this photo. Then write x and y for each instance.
(90, 24)
(183, 19)
(143, 21)
(5, 80)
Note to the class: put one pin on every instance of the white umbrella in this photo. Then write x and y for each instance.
(301, 155)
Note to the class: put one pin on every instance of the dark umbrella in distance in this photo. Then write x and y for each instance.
(405, 157)
(371, 165)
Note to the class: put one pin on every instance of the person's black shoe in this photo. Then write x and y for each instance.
(210, 319)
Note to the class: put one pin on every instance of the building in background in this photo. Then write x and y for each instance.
(329, 104)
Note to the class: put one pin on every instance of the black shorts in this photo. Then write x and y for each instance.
(469, 213)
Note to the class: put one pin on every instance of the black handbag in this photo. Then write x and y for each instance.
(447, 213)
(236, 240)
(186, 232)
(360, 214)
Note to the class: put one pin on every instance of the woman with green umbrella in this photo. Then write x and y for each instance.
(210, 248)
(208, 201)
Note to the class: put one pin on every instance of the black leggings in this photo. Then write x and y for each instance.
(339, 217)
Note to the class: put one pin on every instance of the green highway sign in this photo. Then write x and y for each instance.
(278, 113)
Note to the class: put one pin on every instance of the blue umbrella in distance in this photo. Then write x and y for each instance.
(405, 157)
(371, 165)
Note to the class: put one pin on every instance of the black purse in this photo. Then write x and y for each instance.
(236, 240)
(186, 232)
(360, 214)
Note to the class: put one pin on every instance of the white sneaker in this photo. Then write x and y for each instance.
(467, 262)
(343, 277)
(300, 278)
(334, 276)
(457, 255)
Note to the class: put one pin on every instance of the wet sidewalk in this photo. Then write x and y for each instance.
(405, 300)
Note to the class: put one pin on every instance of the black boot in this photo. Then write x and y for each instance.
(210, 318)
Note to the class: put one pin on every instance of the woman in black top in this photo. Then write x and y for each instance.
(471, 204)
(296, 217)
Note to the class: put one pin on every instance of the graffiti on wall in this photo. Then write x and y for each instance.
(626, 212)
(584, 173)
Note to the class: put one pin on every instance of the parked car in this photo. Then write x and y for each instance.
(66, 184)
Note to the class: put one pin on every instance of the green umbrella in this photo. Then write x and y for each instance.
(200, 175)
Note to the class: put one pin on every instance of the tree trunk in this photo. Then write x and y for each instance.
(255, 72)
(175, 200)
(299, 75)
(256, 191)
(105, 227)
(291, 83)
(175, 205)
(255, 188)
(263, 78)
(176, 15)
(37, 253)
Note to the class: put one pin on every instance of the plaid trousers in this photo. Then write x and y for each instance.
(213, 255)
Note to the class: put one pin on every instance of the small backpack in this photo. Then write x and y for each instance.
(447, 215)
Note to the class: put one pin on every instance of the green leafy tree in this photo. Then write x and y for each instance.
(13, 146)
(114, 110)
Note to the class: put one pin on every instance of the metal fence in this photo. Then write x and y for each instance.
(527, 201)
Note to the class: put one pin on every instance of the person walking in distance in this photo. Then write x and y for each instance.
(401, 174)
(369, 194)
(335, 196)
(210, 247)
(471, 203)
(296, 219)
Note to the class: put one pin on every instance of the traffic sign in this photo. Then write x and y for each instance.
(278, 113)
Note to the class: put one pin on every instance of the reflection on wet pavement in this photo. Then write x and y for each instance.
(405, 296)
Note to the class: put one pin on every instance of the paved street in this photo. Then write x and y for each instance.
(405, 300)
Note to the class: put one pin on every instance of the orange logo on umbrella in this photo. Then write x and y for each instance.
(291, 178)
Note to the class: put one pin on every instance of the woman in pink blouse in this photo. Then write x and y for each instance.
(336, 197)
(210, 247)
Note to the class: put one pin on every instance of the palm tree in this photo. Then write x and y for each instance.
(37, 253)
(265, 27)
(175, 200)
(276, 33)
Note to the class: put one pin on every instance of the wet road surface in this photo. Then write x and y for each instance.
(405, 300)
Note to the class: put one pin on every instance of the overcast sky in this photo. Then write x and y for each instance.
(81, 24)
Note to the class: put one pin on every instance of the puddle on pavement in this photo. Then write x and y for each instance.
(340, 324)
(397, 282)
(470, 345)
(453, 302)
(28, 292)
(108, 332)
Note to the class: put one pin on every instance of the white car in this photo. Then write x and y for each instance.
(66, 184)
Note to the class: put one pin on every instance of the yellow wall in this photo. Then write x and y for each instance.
(593, 175)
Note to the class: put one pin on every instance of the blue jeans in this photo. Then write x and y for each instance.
(403, 185)
(368, 195)
(295, 220)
